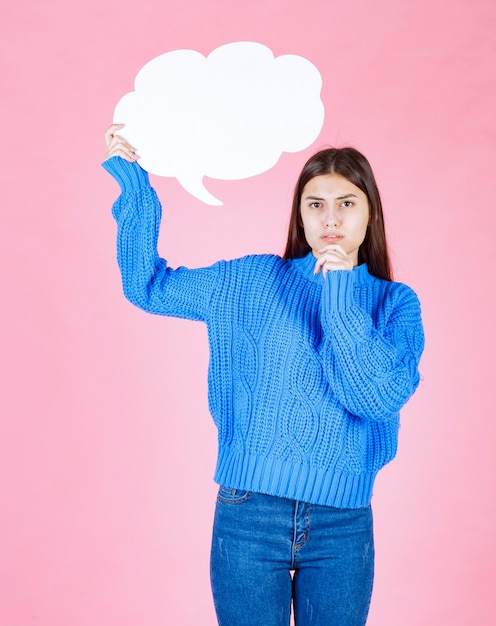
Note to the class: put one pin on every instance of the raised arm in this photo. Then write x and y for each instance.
(147, 280)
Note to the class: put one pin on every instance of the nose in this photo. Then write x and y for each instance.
(331, 218)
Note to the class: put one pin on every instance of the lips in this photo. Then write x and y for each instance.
(332, 237)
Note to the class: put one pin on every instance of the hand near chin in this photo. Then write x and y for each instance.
(332, 258)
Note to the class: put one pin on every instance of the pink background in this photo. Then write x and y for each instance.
(107, 447)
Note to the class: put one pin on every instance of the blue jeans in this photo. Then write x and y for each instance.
(259, 540)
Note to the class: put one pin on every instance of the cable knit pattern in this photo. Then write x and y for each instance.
(307, 374)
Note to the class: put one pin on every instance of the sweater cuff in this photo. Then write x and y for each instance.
(337, 294)
(130, 176)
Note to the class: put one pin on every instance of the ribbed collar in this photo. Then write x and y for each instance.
(306, 264)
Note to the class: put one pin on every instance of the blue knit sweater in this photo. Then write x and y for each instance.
(307, 374)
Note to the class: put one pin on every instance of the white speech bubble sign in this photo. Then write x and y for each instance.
(227, 116)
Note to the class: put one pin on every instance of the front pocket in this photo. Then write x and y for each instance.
(232, 496)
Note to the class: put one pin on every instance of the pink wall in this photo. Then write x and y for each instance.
(105, 520)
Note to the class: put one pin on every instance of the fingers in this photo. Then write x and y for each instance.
(332, 258)
(110, 132)
(117, 145)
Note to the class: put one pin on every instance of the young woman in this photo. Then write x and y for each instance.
(312, 357)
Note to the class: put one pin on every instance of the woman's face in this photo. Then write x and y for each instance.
(334, 211)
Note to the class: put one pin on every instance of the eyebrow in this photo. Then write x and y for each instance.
(348, 195)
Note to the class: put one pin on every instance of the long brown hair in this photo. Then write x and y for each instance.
(353, 166)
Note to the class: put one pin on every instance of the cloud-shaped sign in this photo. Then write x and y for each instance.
(227, 116)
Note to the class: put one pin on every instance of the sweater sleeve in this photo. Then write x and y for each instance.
(373, 372)
(147, 280)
